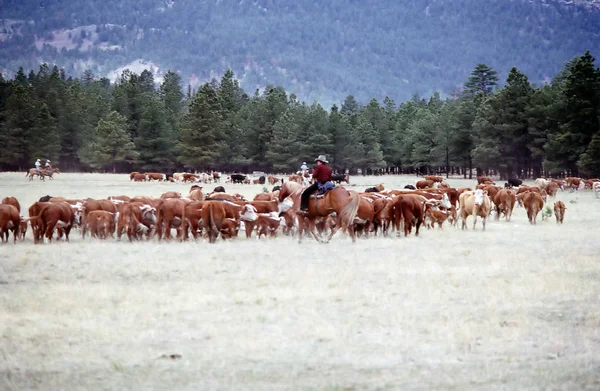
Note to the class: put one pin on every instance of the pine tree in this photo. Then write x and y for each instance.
(153, 142)
(282, 152)
(201, 141)
(110, 144)
(21, 113)
(338, 129)
(482, 80)
(45, 141)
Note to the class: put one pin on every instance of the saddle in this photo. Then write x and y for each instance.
(324, 188)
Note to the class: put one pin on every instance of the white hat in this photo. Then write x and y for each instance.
(322, 158)
(38, 160)
(48, 161)
(303, 162)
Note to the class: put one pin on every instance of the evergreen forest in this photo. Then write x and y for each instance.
(91, 124)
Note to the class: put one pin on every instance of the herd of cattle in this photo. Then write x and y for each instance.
(219, 214)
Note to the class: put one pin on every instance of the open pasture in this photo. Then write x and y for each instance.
(515, 307)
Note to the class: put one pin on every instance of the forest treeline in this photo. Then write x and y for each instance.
(90, 124)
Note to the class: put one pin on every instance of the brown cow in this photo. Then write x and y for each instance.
(12, 201)
(192, 215)
(552, 189)
(434, 178)
(433, 216)
(196, 195)
(23, 228)
(380, 213)
(52, 215)
(216, 176)
(101, 224)
(9, 221)
(265, 197)
(156, 176)
(169, 215)
(122, 198)
(424, 184)
(409, 209)
(505, 201)
(133, 174)
(559, 211)
(268, 224)
(213, 218)
(534, 204)
(170, 194)
(483, 179)
(573, 183)
(272, 179)
(190, 178)
(139, 178)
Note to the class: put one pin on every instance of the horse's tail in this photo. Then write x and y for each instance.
(349, 211)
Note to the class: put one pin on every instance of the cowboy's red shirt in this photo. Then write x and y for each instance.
(322, 173)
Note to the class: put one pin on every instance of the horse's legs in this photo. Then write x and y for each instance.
(312, 227)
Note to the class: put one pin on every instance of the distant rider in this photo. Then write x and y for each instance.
(38, 164)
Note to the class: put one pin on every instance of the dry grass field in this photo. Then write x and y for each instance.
(514, 308)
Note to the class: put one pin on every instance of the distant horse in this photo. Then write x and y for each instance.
(339, 200)
(41, 173)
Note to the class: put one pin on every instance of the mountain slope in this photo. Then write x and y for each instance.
(318, 51)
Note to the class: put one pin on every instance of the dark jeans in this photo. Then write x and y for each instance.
(306, 195)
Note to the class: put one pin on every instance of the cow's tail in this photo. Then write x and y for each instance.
(348, 212)
(213, 226)
(183, 224)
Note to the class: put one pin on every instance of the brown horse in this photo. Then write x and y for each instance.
(339, 200)
(42, 174)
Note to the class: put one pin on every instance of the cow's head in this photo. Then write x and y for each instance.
(446, 201)
(248, 213)
(78, 210)
(285, 205)
(148, 213)
(479, 196)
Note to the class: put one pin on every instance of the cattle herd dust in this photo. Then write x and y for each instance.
(515, 306)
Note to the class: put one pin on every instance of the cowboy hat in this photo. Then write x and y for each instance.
(322, 159)
(38, 160)
(303, 162)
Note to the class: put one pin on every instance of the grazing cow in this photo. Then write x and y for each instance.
(559, 211)
(268, 224)
(118, 199)
(434, 178)
(408, 208)
(139, 177)
(178, 176)
(192, 219)
(505, 201)
(216, 176)
(91, 205)
(483, 179)
(265, 197)
(533, 203)
(23, 228)
(433, 216)
(513, 182)
(9, 221)
(132, 175)
(339, 178)
(58, 215)
(476, 204)
(573, 183)
(101, 224)
(552, 189)
(424, 184)
(135, 218)
(170, 194)
(169, 214)
(156, 176)
(196, 195)
(213, 217)
(12, 201)
(190, 178)
(596, 189)
(237, 178)
(273, 179)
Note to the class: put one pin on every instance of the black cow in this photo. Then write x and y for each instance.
(45, 198)
(339, 178)
(219, 189)
(513, 182)
(275, 188)
(237, 178)
(371, 190)
(411, 187)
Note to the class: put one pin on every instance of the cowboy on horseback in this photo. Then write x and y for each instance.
(48, 165)
(321, 175)
(37, 165)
